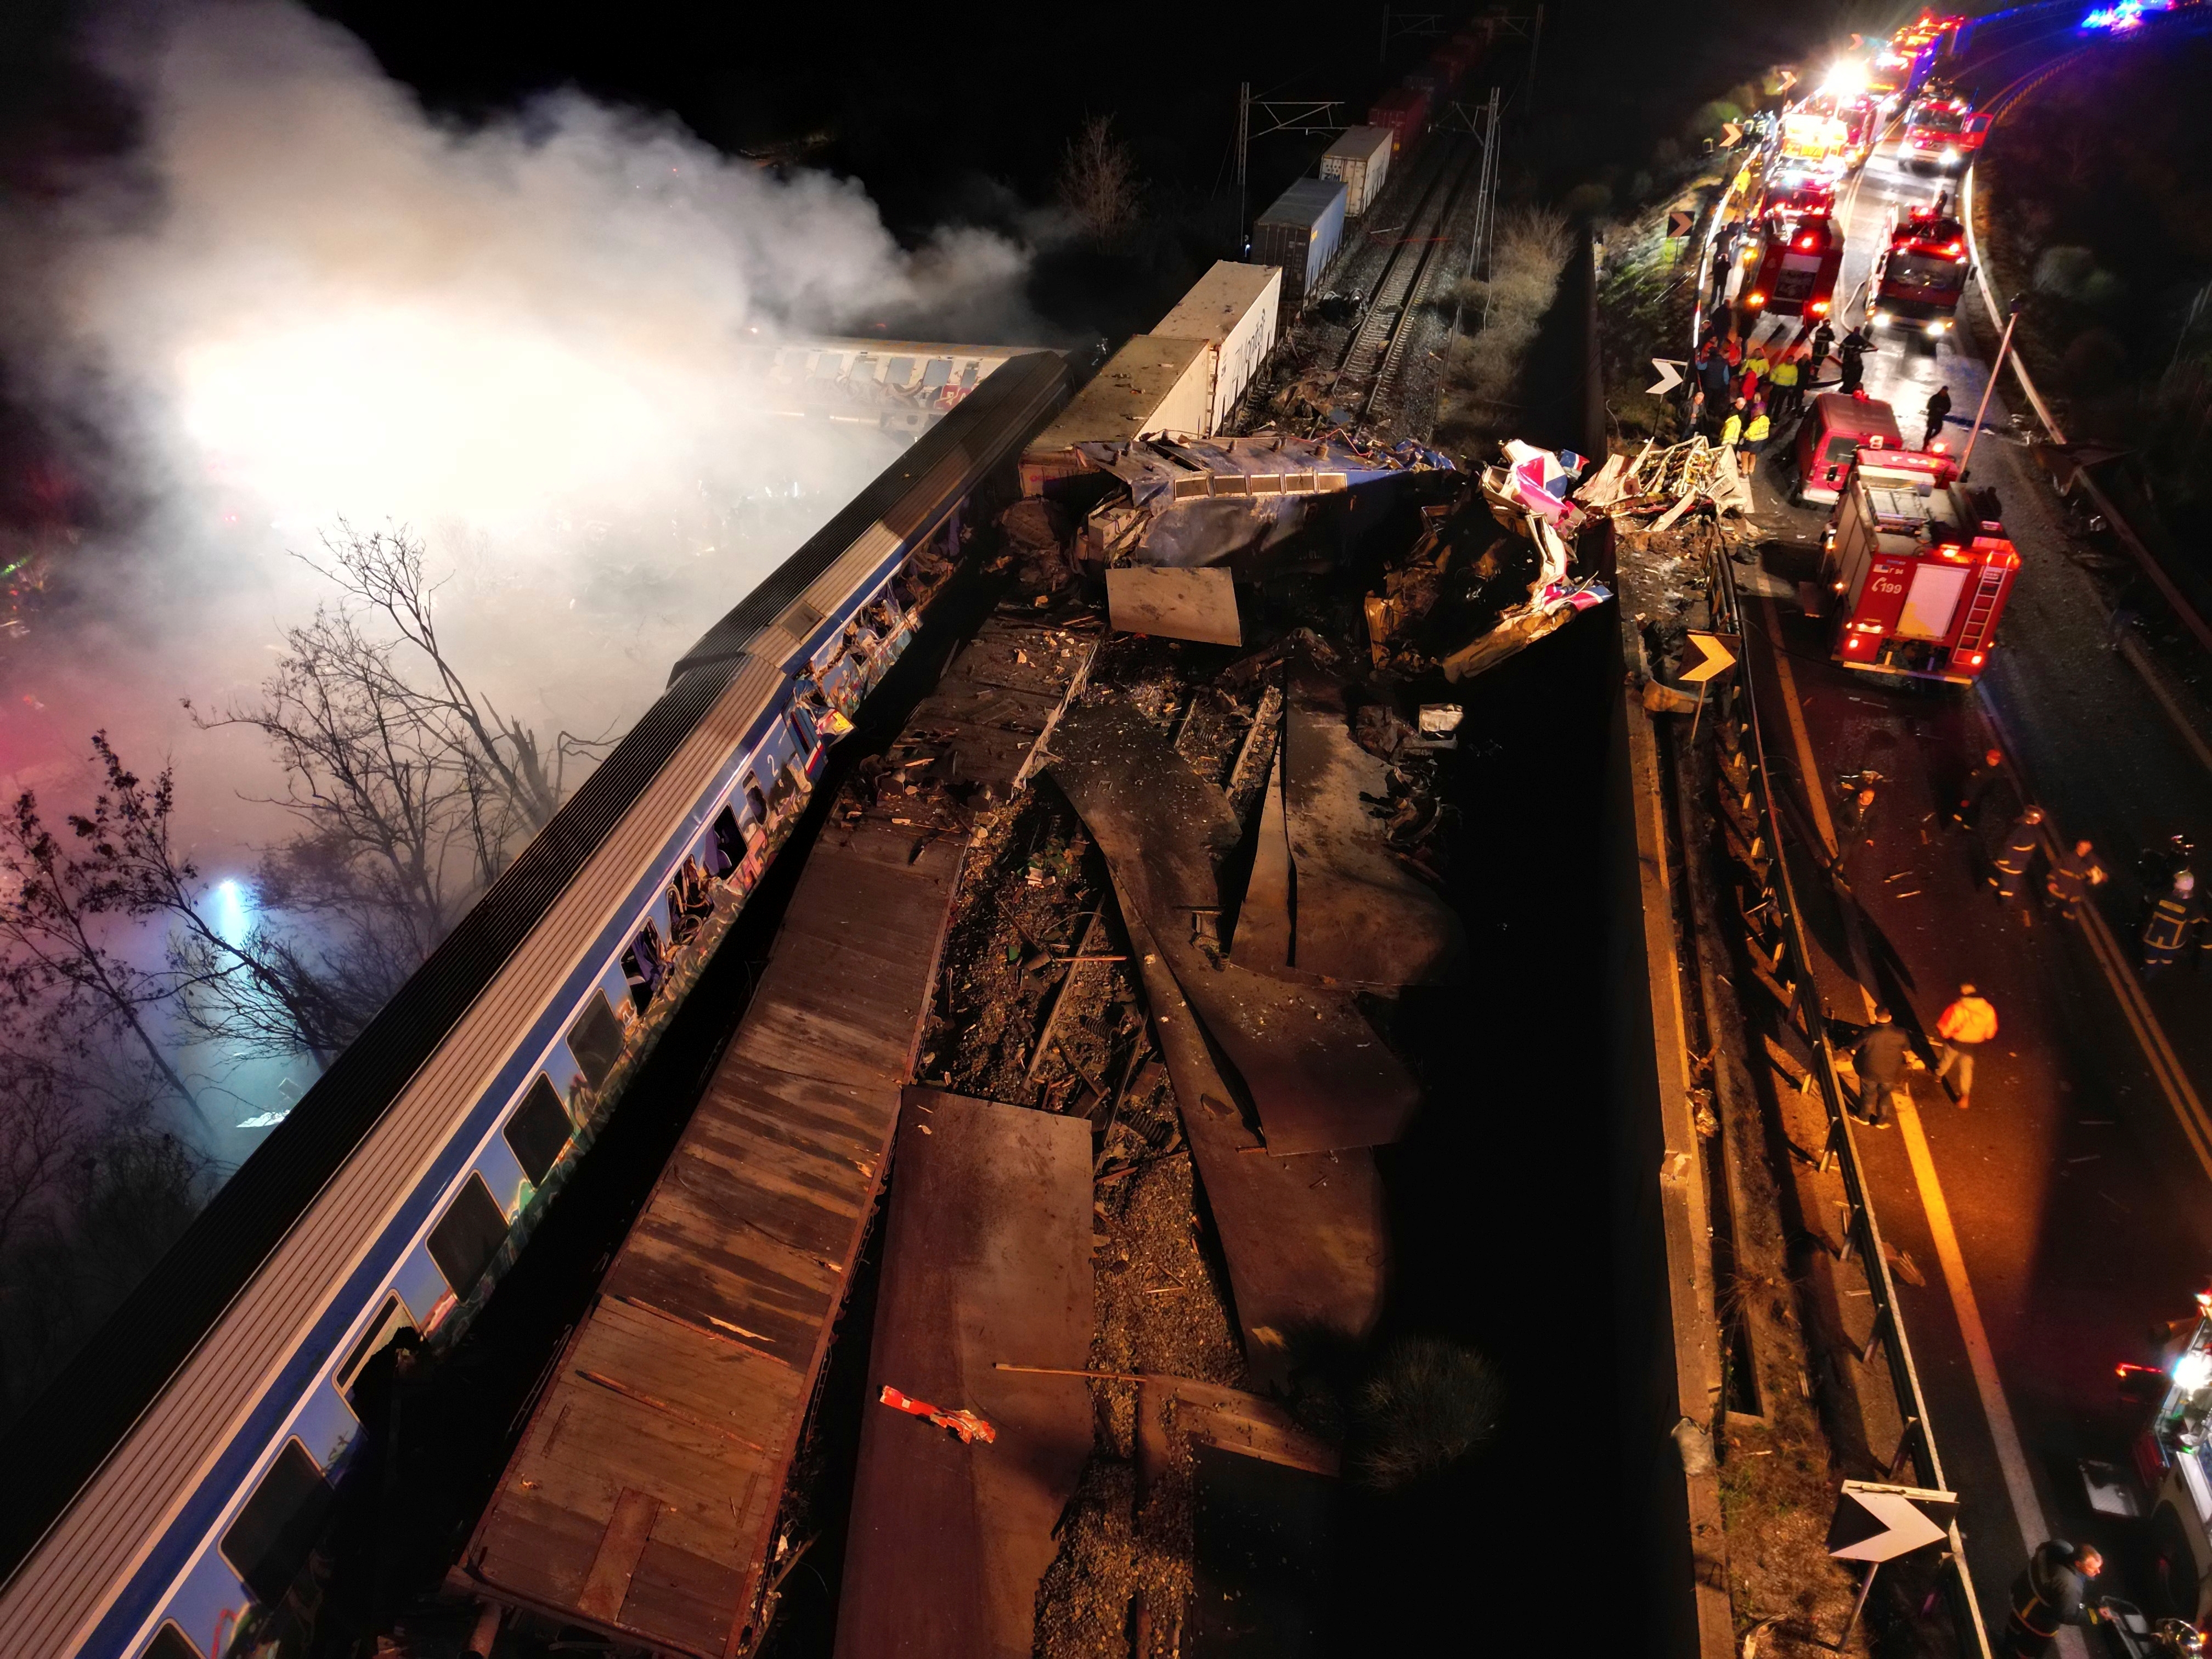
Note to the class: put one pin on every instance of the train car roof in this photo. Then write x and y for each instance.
(63, 1437)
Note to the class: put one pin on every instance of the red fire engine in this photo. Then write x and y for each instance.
(1797, 270)
(1918, 567)
(1943, 131)
(1794, 193)
(1921, 273)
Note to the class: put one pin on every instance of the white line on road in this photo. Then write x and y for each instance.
(1981, 1359)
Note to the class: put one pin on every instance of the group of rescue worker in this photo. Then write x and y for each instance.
(1743, 391)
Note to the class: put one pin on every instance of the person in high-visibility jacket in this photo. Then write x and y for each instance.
(2172, 920)
(1787, 378)
(1756, 431)
(1968, 1023)
(1732, 427)
(2011, 861)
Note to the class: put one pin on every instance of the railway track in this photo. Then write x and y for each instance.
(1374, 358)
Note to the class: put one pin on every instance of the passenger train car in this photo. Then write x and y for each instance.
(164, 1494)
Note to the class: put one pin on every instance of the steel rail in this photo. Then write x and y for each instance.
(1375, 355)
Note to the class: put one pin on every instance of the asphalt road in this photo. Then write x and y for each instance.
(2067, 1210)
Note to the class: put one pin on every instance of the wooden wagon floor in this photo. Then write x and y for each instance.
(643, 1497)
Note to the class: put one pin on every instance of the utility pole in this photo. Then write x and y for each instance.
(1536, 45)
(1243, 142)
(2012, 319)
(1485, 214)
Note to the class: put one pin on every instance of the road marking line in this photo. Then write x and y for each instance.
(1981, 1357)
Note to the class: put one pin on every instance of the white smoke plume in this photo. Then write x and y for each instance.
(303, 297)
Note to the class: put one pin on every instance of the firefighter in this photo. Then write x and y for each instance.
(2050, 1592)
(1853, 351)
(2072, 875)
(1756, 369)
(1939, 411)
(1824, 342)
(1969, 1022)
(1974, 792)
(2018, 852)
(2174, 920)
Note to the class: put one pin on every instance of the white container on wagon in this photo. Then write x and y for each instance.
(1234, 309)
(1362, 159)
(1153, 386)
(1300, 233)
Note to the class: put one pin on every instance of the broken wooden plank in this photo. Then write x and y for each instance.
(1175, 604)
(987, 1251)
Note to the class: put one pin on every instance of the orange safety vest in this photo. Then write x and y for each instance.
(1970, 1019)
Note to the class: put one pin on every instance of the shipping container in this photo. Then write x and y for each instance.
(1153, 386)
(1300, 235)
(1362, 160)
(1236, 308)
(1405, 113)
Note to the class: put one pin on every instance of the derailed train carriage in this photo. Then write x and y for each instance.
(166, 1489)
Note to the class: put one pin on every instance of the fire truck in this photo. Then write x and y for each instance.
(1943, 131)
(1792, 194)
(1921, 273)
(1814, 141)
(1918, 567)
(1861, 118)
(1797, 270)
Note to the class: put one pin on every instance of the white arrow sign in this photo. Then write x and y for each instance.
(1670, 375)
(1731, 135)
(1880, 1523)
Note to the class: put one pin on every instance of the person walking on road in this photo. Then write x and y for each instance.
(2052, 1592)
(1855, 819)
(1939, 411)
(1878, 1057)
(2070, 877)
(2010, 864)
(1967, 1023)
(2174, 920)
(1976, 789)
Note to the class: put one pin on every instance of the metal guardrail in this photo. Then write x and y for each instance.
(1862, 1231)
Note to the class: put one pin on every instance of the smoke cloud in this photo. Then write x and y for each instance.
(530, 339)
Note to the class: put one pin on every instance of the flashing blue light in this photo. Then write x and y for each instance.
(2125, 16)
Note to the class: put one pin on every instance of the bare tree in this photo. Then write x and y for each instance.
(60, 973)
(414, 788)
(1098, 182)
(259, 989)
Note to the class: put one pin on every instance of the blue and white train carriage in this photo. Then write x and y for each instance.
(168, 1485)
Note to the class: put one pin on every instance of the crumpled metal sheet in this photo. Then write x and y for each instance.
(1358, 916)
(1319, 1076)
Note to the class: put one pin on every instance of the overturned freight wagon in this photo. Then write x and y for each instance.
(1236, 309)
(1300, 235)
(1153, 386)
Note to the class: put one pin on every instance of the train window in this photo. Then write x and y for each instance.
(596, 1039)
(729, 850)
(468, 1235)
(936, 373)
(539, 1130)
(899, 371)
(170, 1642)
(391, 1319)
(268, 1544)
